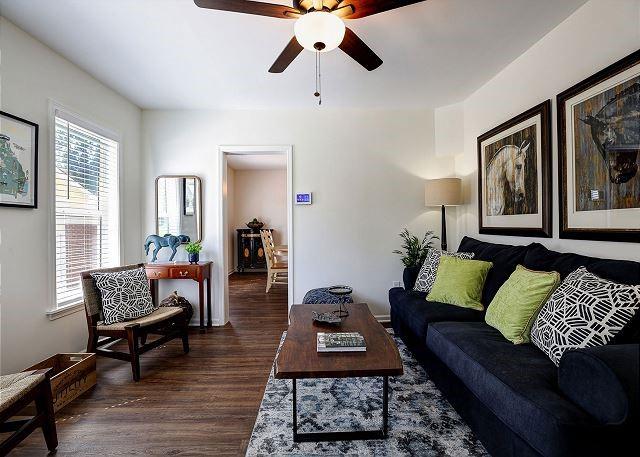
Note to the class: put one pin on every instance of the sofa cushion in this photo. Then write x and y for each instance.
(429, 270)
(416, 313)
(125, 294)
(612, 372)
(504, 257)
(585, 311)
(518, 383)
(540, 258)
(460, 282)
(516, 305)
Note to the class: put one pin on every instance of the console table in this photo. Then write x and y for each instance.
(183, 270)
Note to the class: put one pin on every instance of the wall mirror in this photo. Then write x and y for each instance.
(179, 206)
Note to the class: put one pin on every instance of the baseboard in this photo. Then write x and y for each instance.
(383, 317)
(232, 271)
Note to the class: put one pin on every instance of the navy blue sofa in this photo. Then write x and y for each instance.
(514, 398)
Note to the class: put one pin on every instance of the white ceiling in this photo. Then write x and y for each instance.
(172, 54)
(257, 161)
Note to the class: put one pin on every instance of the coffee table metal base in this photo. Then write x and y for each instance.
(349, 435)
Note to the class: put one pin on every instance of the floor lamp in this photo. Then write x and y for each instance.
(443, 192)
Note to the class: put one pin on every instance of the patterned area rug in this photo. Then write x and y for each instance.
(421, 421)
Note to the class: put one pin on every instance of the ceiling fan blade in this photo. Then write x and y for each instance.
(249, 7)
(365, 8)
(303, 4)
(288, 54)
(359, 51)
(344, 11)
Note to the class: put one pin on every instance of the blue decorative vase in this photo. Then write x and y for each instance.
(194, 258)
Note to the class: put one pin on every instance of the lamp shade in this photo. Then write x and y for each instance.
(444, 191)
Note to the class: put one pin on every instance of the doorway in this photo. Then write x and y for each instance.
(255, 182)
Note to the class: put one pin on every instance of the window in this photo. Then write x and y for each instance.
(86, 204)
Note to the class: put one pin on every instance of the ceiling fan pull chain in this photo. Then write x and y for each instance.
(317, 93)
(319, 80)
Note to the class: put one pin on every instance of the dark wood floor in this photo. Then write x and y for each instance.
(202, 403)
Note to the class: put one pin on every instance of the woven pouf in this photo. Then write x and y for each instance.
(322, 296)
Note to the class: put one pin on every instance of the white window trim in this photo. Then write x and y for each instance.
(87, 122)
(57, 313)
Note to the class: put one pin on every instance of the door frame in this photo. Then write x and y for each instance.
(222, 251)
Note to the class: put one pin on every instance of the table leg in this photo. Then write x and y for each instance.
(209, 323)
(154, 291)
(385, 405)
(201, 304)
(295, 413)
(346, 435)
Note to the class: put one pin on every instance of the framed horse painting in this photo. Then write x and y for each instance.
(514, 175)
(599, 154)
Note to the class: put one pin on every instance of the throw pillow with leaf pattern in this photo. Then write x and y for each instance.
(125, 295)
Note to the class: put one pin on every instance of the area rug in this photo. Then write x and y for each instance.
(421, 421)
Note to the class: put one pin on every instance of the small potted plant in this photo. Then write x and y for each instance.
(413, 250)
(193, 249)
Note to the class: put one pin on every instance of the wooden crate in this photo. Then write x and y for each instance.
(72, 375)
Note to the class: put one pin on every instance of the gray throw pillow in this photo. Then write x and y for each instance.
(125, 295)
(429, 269)
(584, 311)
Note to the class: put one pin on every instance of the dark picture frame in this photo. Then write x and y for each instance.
(5, 148)
(542, 148)
(586, 232)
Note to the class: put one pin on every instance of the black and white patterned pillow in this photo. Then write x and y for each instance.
(429, 269)
(125, 295)
(584, 311)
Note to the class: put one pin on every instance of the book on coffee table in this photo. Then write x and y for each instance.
(341, 342)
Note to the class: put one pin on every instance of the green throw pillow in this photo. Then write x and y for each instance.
(517, 303)
(460, 282)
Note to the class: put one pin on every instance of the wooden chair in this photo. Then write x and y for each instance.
(16, 392)
(277, 268)
(169, 322)
(279, 250)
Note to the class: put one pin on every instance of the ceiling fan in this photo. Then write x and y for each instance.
(319, 25)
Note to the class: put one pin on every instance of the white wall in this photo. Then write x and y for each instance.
(595, 36)
(31, 75)
(365, 169)
(261, 194)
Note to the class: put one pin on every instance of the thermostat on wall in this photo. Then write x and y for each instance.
(303, 198)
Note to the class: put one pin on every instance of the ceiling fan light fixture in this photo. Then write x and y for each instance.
(319, 31)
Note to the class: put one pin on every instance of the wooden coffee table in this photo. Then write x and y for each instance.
(299, 359)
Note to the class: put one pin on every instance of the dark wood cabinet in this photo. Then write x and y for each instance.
(250, 250)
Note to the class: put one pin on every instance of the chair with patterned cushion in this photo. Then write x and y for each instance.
(168, 322)
(17, 391)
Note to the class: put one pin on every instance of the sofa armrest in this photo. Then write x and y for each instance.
(409, 276)
(604, 381)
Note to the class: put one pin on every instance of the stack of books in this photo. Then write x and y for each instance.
(341, 342)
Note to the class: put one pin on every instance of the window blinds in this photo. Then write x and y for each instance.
(86, 204)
